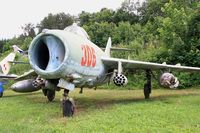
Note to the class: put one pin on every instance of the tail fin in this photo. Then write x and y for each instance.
(5, 65)
(108, 47)
(18, 50)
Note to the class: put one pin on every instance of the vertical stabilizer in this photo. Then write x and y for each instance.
(5, 65)
(108, 47)
(18, 50)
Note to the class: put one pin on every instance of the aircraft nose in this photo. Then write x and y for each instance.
(48, 54)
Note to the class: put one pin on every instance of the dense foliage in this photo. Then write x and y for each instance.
(160, 31)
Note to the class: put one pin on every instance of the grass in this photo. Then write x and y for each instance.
(103, 111)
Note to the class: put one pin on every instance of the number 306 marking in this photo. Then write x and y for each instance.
(89, 57)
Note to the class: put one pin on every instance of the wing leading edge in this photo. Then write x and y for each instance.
(130, 64)
(30, 73)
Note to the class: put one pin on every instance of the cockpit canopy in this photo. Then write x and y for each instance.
(77, 30)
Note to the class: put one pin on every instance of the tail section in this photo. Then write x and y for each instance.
(5, 65)
(18, 50)
(108, 47)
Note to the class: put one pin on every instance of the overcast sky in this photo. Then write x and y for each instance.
(16, 13)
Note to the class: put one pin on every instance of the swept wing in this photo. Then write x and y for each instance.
(132, 64)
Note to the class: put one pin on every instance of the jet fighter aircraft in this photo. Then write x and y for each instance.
(65, 59)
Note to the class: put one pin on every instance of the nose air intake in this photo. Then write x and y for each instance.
(47, 52)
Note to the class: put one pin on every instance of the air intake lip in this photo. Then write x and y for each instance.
(47, 53)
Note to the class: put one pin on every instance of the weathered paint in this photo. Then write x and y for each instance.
(81, 57)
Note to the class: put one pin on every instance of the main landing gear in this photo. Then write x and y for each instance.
(50, 94)
(81, 90)
(147, 85)
(68, 105)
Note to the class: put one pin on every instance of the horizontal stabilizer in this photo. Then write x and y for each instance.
(12, 76)
(17, 49)
(18, 62)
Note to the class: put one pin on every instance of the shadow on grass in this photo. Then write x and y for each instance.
(85, 103)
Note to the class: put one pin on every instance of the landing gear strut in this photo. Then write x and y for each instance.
(50, 95)
(68, 105)
(147, 85)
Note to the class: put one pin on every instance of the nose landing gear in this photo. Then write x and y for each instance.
(50, 95)
(68, 105)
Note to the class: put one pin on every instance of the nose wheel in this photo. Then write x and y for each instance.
(68, 105)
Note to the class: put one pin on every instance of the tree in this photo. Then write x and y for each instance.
(130, 6)
(105, 15)
(124, 33)
(28, 30)
(150, 9)
(99, 32)
(127, 12)
(85, 18)
(2, 43)
(57, 21)
(124, 16)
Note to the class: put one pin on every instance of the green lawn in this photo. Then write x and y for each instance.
(103, 111)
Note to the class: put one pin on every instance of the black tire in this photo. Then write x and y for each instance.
(68, 108)
(147, 91)
(1, 94)
(50, 95)
(44, 92)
